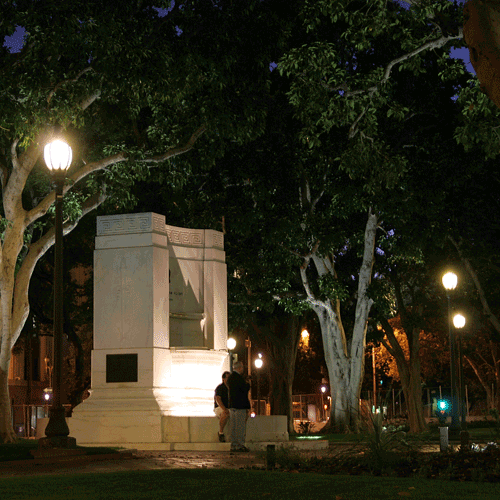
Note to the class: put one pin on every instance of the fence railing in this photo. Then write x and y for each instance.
(392, 401)
(25, 418)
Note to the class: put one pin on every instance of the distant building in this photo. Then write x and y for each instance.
(30, 375)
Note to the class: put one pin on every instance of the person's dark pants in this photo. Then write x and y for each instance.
(237, 425)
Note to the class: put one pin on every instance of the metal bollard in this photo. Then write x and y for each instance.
(464, 441)
(443, 439)
(270, 456)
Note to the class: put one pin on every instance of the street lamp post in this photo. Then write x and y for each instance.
(323, 390)
(231, 344)
(459, 323)
(450, 283)
(258, 364)
(58, 155)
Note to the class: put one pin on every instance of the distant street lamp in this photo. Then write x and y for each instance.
(58, 156)
(323, 390)
(231, 344)
(459, 322)
(258, 364)
(450, 283)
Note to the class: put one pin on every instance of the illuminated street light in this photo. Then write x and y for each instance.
(258, 364)
(231, 344)
(323, 405)
(304, 335)
(450, 283)
(459, 322)
(58, 156)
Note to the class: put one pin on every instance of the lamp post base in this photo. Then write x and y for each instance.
(57, 431)
(56, 442)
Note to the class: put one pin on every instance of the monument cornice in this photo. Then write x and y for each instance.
(147, 222)
(150, 222)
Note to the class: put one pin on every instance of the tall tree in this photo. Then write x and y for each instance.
(130, 86)
(343, 83)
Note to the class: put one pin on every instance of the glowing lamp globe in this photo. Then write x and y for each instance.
(450, 281)
(258, 363)
(57, 155)
(231, 343)
(459, 321)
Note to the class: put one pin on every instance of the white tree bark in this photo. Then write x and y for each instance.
(344, 357)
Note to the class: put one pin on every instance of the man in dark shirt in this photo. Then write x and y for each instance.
(221, 405)
(239, 405)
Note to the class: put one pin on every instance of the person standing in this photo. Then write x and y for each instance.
(239, 406)
(221, 405)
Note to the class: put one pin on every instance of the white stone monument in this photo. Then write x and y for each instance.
(160, 328)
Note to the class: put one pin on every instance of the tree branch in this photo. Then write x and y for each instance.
(395, 349)
(180, 149)
(89, 100)
(64, 82)
(36, 250)
(477, 372)
(432, 44)
(482, 297)
(89, 168)
(43, 206)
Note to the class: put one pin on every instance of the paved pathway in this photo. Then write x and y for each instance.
(157, 460)
(137, 460)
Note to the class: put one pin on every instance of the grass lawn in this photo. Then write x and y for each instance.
(237, 484)
(480, 434)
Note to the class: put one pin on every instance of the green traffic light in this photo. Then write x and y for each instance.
(442, 405)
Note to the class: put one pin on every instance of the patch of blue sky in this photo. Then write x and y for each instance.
(15, 42)
(163, 12)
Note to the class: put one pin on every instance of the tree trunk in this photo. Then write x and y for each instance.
(416, 415)
(345, 366)
(345, 363)
(409, 373)
(281, 338)
(281, 398)
(282, 361)
(7, 434)
(413, 397)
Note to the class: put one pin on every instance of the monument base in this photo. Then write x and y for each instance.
(133, 428)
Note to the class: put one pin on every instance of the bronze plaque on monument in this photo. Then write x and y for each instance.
(121, 368)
